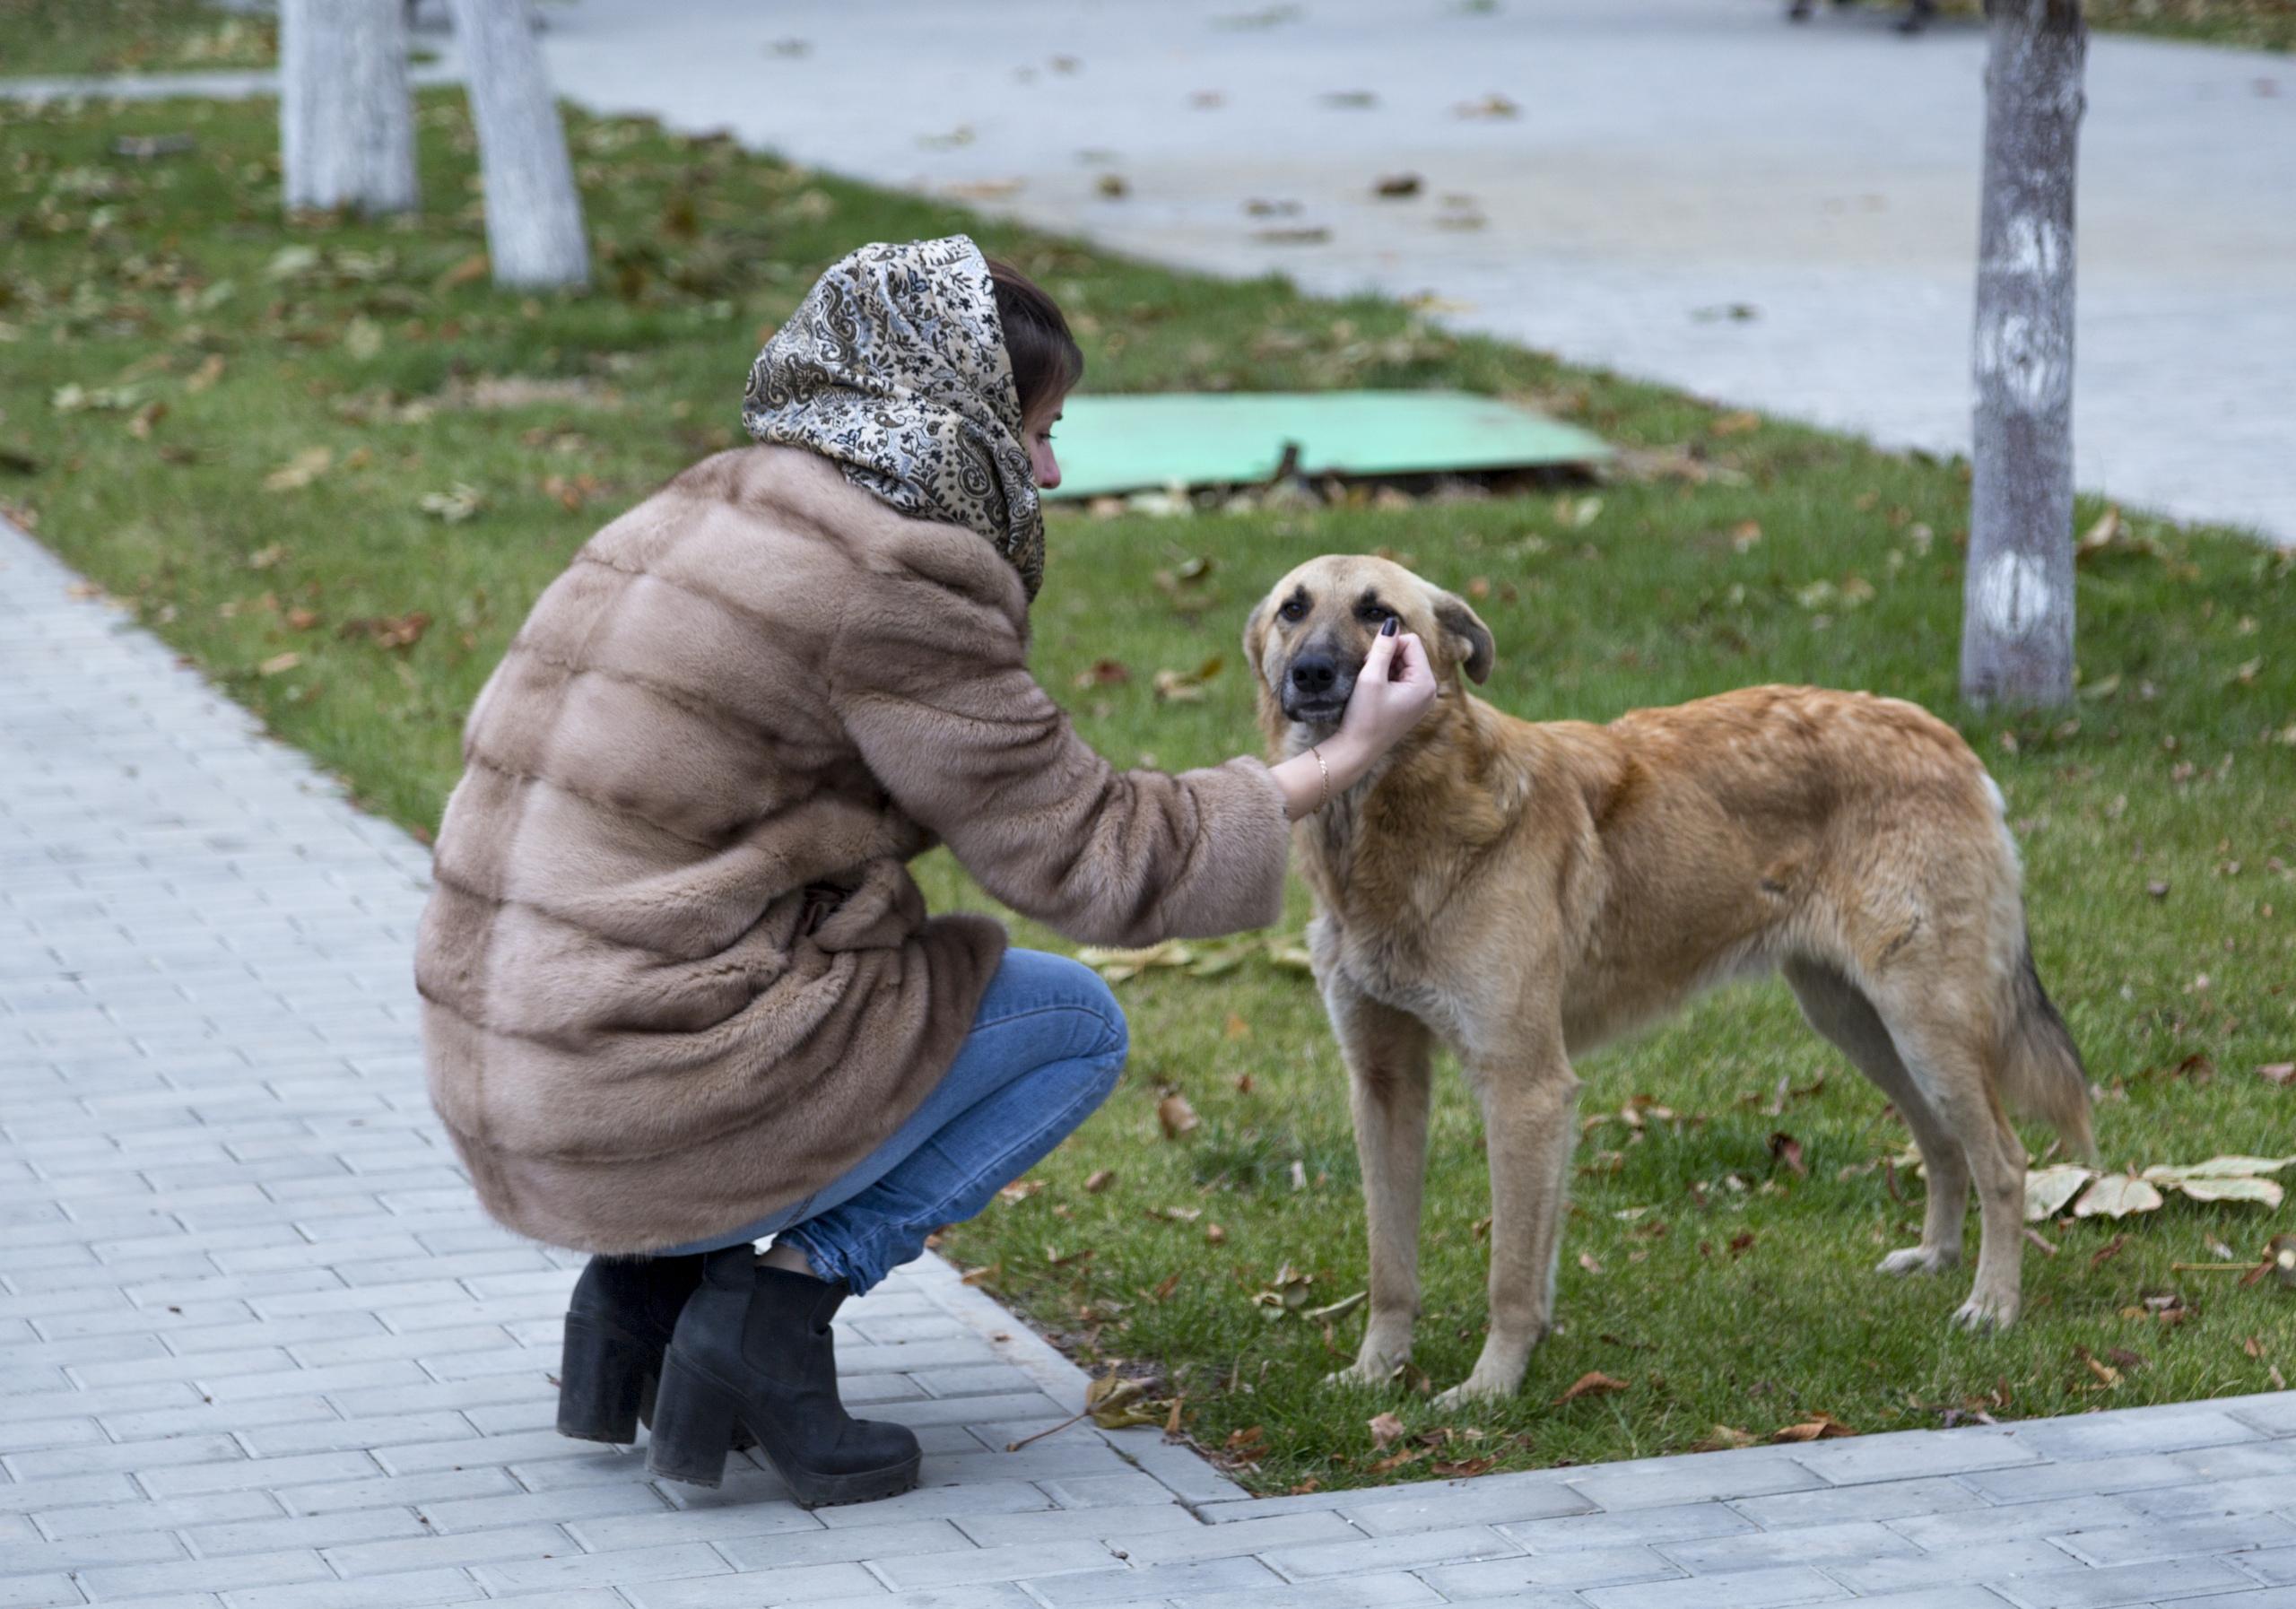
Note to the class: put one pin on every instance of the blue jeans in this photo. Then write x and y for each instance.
(1044, 1050)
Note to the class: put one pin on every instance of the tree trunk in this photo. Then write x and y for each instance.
(533, 214)
(2017, 602)
(346, 128)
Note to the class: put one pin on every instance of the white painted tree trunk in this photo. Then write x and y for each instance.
(533, 214)
(346, 128)
(2017, 600)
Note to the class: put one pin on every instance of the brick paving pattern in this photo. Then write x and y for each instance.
(260, 1349)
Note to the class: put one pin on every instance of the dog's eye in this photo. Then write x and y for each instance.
(1294, 608)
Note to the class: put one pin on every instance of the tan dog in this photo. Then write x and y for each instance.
(1526, 891)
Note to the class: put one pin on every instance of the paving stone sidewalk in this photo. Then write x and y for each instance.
(259, 1350)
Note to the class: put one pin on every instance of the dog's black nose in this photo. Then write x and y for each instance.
(1314, 675)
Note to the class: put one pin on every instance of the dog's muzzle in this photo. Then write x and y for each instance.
(1315, 688)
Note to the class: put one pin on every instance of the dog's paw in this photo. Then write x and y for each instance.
(1368, 1372)
(1480, 1387)
(1980, 1313)
(1917, 1259)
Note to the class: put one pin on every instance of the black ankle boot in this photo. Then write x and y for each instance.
(753, 1350)
(617, 1327)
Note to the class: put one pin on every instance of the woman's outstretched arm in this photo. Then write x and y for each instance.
(933, 690)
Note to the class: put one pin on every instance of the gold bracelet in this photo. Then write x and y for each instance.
(1317, 750)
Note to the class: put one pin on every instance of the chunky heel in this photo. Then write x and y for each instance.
(694, 1422)
(603, 1380)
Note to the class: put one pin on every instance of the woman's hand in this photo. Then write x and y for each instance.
(1392, 691)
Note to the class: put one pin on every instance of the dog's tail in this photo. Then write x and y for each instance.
(2041, 1072)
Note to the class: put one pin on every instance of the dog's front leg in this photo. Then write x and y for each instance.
(1529, 1103)
(1387, 1056)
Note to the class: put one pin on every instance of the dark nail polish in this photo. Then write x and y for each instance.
(1391, 627)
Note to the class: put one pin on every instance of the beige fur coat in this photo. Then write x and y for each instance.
(674, 972)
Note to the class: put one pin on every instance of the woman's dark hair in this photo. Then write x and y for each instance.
(1045, 359)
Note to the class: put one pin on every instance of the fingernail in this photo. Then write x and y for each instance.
(1392, 625)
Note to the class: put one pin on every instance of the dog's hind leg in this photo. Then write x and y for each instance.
(1388, 1054)
(1836, 1008)
(1950, 1054)
(1529, 1130)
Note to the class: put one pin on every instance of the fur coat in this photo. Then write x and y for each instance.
(675, 975)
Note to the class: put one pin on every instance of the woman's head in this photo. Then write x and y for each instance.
(1047, 363)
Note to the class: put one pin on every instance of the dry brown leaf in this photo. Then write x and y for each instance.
(1104, 673)
(1238, 1029)
(1818, 1427)
(1593, 1383)
(1214, 1233)
(2279, 1073)
(278, 664)
(2108, 1251)
(1385, 1428)
(987, 1276)
(1177, 1116)
(1724, 1436)
(1098, 1180)
(1784, 1148)
(302, 470)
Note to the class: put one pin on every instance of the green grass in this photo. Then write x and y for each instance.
(2246, 24)
(213, 345)
(44, 37)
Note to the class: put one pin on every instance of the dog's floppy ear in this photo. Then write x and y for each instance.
(1466, 636)
(1256, 638)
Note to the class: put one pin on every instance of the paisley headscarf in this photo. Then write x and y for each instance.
(894, 366)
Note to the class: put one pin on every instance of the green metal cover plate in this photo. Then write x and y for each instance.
(1115, 443)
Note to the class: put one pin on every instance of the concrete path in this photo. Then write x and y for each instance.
(1689, 190)
(259, 1350)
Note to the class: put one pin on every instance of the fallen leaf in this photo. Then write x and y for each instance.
(1465, 1469)
(1394, 185)
(467, 271)
(989, 1275)
(1177, 1116)
(2108, 1251)
(1785, 1148)
(1112, 186)
(1587, 1261)
(2048, 1189)
(458, 503)
(1104, 673)
(278, 664)
(1214, 1233)
(2117, 1196)
(1385, 1428)
(2266, 1192)
(1099, 1180)
(1489, 105)
(1738, 422)
(302, 620)
(2280, 1073)
(302, 470)
(1818, 1427)
(1593, 1383)
(1019, 1190)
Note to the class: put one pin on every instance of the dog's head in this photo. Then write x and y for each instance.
(1307, 637)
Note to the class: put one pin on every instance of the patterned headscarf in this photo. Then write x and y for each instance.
(895, 368)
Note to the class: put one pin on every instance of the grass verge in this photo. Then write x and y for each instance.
(61, 38)
(328, 463)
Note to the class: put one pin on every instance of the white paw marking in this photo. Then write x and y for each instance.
(1917, 1259)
